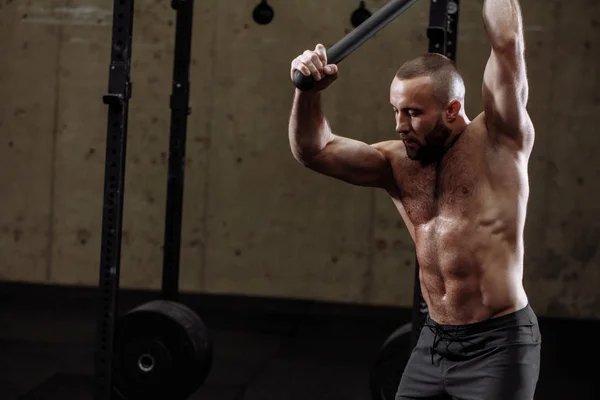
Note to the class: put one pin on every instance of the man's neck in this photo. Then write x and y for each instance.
(435, 154)
(457, 130)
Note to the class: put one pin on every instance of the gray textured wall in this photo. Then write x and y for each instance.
(255, 222)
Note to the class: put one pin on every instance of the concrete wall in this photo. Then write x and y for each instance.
(255, 222)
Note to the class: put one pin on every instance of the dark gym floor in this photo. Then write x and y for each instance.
(264, 348)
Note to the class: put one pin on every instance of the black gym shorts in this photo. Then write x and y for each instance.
(496, 359)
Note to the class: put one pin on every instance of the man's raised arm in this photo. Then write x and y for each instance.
(313, 143)
(505, 88)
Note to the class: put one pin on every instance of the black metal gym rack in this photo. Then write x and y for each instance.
(117, 99)
(180, 110)
(443, 27)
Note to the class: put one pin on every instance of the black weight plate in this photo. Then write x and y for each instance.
(390, 363)
(202, 342)
(163, 350)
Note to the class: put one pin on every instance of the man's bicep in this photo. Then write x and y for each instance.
(505, 93)
(354, 162)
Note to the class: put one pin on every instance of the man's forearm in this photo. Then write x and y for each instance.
(503, 22)
(309, 131)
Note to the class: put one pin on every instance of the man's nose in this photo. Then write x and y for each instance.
(402, 125)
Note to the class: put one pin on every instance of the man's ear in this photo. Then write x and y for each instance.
(452, 110)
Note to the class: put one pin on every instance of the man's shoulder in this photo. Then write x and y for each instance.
(478, 124)
(500, 137)
(394, 152)
(390, 148)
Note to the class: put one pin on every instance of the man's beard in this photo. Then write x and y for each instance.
(435, 143)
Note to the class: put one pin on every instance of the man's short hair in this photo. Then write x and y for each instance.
(448, 84)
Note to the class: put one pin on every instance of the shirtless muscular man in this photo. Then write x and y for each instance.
(461, 187)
